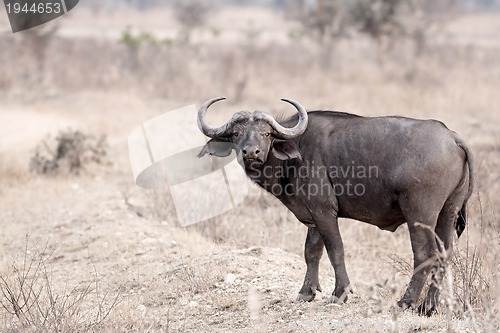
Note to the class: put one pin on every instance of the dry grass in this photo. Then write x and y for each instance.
(30, 296)
(240, 270)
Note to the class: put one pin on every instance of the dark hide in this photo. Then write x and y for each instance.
(384, 171)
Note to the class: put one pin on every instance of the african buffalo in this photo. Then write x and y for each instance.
(385, 171)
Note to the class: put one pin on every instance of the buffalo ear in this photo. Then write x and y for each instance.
(217, 147)
(285, 150)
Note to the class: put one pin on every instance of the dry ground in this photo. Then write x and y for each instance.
(242, 270)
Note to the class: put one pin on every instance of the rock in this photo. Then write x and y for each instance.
(230, 278)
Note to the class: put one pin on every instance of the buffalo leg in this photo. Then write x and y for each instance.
(423, 246)
(313, 251)
(330, 233)
(444, 230)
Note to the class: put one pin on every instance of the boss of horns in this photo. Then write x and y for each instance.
(279, 131)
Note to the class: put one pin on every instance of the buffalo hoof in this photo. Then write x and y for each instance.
(337, 300)
(405, 304)
(307, 293)
(426, 310)
(343, 296)
(334, 300)
(305, 297)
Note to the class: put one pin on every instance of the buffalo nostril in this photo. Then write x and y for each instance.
(244, 151)
(257, 151)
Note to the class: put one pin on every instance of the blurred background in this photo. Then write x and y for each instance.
(249, 49)
(73, 89)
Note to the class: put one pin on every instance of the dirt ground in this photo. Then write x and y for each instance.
(241, 271)
(170, 278)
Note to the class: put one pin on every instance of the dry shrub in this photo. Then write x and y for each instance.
(29, 296)
(475, 268)
(68, 153)
(190, 14)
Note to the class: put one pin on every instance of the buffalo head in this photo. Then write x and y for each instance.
(254, 134)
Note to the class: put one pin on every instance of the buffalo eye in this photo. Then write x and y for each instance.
(266, 134)
(235, 134)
